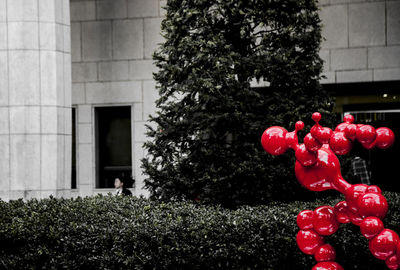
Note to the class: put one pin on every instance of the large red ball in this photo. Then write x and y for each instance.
(352, 195)
(341, 212)
(372, 204)
(304, 219)
(324, 220)
(324, 134)
(350, 132)
(308, 241)
(311, 143)
(339, 144)
(341, 127)
(305, 157)
(371, 226)
(366, 134)
(325, 253)
(384, 138)
(273, 140)
(327, 266)
(384, 244)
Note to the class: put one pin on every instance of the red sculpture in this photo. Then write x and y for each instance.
(317, 168)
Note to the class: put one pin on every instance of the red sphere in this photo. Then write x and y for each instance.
(299, 125)
(371, 226)
(348, 118)
(323, 135)
(324, 220)
(393, 262)
(308, 241)
(341, 212)
(305, 157)
(352, 195)
(304, 219)
(273, 140)
(327, 266)
(341, 127)
(325, 253)
(311, 143)
(351, 131)
(372, 204)
(384, 138)
(366, 134)
(339, 144)
(384, 244)
(316, 117)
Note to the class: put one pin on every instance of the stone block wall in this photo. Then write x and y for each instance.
(112, 44)
(362, 40)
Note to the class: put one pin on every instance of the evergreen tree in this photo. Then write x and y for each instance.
(205, 137)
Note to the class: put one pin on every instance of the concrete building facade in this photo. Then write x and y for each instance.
(62, 62)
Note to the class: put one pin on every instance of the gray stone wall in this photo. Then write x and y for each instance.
(35, 98)
(112, 44)
(362, 40)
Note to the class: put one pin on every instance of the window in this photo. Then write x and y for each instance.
(113, 145)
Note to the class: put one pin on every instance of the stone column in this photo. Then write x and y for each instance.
(35, 98)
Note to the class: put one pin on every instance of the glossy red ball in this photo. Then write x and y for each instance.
(372, 204)
(384, 244)
(324, 220)
(348, 118)
(366, 134)
(341, 212)
(341, 127)
(393, 262)
(352, 195)
(325, 253)
(305, 157)
(350, 132)
(339, 144)
(299, 125)
(273, 140)
(304, 219)
(384, 138)
(316, 117)
(308, 241)
(324, 134)
(311, 143)
(327, 266)
(371, 226)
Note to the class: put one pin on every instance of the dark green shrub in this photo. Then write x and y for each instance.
(205, 139)
(118, 233)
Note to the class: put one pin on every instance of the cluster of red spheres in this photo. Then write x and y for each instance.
(317, 168)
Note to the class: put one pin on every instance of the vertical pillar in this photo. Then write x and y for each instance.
(35, 98)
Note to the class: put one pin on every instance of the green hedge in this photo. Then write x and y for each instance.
(113, 232)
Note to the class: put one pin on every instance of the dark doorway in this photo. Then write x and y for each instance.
(384, 163)
(376, 104)
(113, 146)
